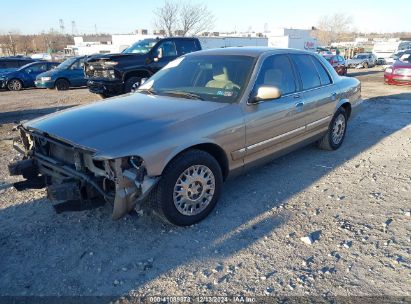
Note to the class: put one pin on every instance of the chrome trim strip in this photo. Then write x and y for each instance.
(318, 122)
(274, 138)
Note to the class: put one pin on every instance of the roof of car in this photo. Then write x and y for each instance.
(16, 59)
(247, 51)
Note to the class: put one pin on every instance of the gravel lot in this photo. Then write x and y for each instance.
(355, 203)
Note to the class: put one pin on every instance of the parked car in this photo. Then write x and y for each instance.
(365, 60)
(9, 64)
(400, 72)
(68, 74)
(338, 63)
(393, 58)
(24, 77)
(203, 118)
(115, 74)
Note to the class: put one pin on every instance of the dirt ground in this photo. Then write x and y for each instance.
(355, 203)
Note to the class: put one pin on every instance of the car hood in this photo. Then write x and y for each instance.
(6, 71)
(99, 57)
(402, 64)
(49, 73)
(130, 120)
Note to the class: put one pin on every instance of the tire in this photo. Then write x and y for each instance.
(365, 65)
(132, 84)
(170, 198)
(103, 96)
(14, 85)
(62, 85)
(335, 135)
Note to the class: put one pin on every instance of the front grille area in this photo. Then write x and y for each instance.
(97, 70)
(61, 153)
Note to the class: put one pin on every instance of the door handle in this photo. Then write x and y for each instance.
(299, 106)
(297, 96)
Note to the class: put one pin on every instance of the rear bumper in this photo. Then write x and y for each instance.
(109, 88)
(44, 84)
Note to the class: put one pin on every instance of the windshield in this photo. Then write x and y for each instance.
(66, 64)
(219, 78)
(141, 47)
(361, 56)
(25, 66)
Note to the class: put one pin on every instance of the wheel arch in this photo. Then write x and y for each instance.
(346, 105)
(63, 78)
(142, 73)
(23, 85)
(211, 148)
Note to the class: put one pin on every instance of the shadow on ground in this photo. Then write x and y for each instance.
(84, 253)
(17, 116)
(361, 72)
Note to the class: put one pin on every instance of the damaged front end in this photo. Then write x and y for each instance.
(71, 172)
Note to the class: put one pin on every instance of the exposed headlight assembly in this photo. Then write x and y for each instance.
(388, 70)
(110, 63)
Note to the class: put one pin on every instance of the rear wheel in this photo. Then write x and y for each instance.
(62, 85)
(335, 135)
(15, 85)
(131, 85)
(189, 188)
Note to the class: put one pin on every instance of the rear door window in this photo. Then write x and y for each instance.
(185, 46)
(307, 70)
(322, 72)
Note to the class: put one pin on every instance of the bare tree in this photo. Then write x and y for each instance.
(332, 28)
(195, 19)
(184, 18)
(166, 17)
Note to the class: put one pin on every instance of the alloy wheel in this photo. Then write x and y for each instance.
(194, 190)
(338, 129)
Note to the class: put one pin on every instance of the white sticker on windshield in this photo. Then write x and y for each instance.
(173, 63)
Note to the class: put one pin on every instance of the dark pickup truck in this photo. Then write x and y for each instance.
(115, 74)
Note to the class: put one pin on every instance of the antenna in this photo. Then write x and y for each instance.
(61, 26)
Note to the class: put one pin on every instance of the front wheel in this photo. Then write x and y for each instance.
(62, 85)
(131, 85)
(189, 188)
(335, 135)
(365, 65)
(14, 85)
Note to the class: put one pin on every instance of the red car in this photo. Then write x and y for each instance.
(399, 73)
(338, 63)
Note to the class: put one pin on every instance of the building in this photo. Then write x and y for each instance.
(88, 45)
(292, 38)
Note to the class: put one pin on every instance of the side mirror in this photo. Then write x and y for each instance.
(266, 93)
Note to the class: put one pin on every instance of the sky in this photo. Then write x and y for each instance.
(125, 16)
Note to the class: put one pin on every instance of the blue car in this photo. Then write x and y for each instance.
(9, 64)
(68, 74)
(25, 76)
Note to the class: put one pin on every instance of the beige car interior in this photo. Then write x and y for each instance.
(220, 79)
